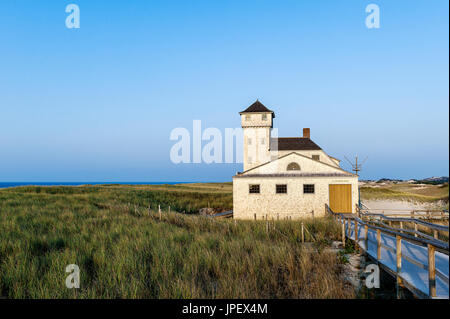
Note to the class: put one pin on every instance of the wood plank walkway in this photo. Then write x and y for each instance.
(419, 264)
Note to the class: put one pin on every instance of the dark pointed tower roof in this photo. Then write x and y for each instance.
(257, 107)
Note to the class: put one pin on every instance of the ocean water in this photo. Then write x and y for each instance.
(16, 184)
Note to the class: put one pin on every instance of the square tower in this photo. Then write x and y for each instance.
(257, 123)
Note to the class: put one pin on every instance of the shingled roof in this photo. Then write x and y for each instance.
(294, 144)
(257, 107)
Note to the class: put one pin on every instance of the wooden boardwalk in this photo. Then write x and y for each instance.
(418, 261)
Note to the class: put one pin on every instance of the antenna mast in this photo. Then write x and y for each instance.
(356, 167)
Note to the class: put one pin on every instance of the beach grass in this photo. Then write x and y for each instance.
(124, 249)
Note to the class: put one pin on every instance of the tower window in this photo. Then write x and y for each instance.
(247, 117)
(253, 189)
(281, 189)
(293, 167)
(308, 189)
(264, 117)
(316, 157)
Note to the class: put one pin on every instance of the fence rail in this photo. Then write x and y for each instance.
(419, 264)
(440, 214)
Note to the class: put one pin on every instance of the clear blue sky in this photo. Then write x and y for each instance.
(99, 103)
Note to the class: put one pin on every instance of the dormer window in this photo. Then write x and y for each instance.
(293, 167)
(316, 157)
(264, 117)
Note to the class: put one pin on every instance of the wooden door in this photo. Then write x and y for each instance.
(341, 198)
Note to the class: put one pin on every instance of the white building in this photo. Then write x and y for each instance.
(288, 177)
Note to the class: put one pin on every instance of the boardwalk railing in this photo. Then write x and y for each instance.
(381, 219)
(419, 264)
(440, 214)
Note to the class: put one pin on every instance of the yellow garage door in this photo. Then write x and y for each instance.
(341, 198)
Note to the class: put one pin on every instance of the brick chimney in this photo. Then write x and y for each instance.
(306, 133)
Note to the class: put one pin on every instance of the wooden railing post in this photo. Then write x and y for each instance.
(436, 234)
(401, 227)
(399, 253)
(416, 228)
(431, 271)
(343, 232)
(378, 244)
(356, 234)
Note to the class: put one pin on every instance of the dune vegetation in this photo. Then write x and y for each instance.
(126, 249)
(408, 192)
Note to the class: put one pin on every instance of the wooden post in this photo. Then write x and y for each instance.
(401, 227)
(431, 271)
(159, 210)
(378, 244)
(343, 232)
(416, 229)
(356, 235)
(436, 234)
(399, 253)
(303, 233)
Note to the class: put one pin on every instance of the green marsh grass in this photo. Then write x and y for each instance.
(124, 250)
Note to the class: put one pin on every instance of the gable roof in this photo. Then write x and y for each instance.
(303, 156)
(257, 107)
(294, 144)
